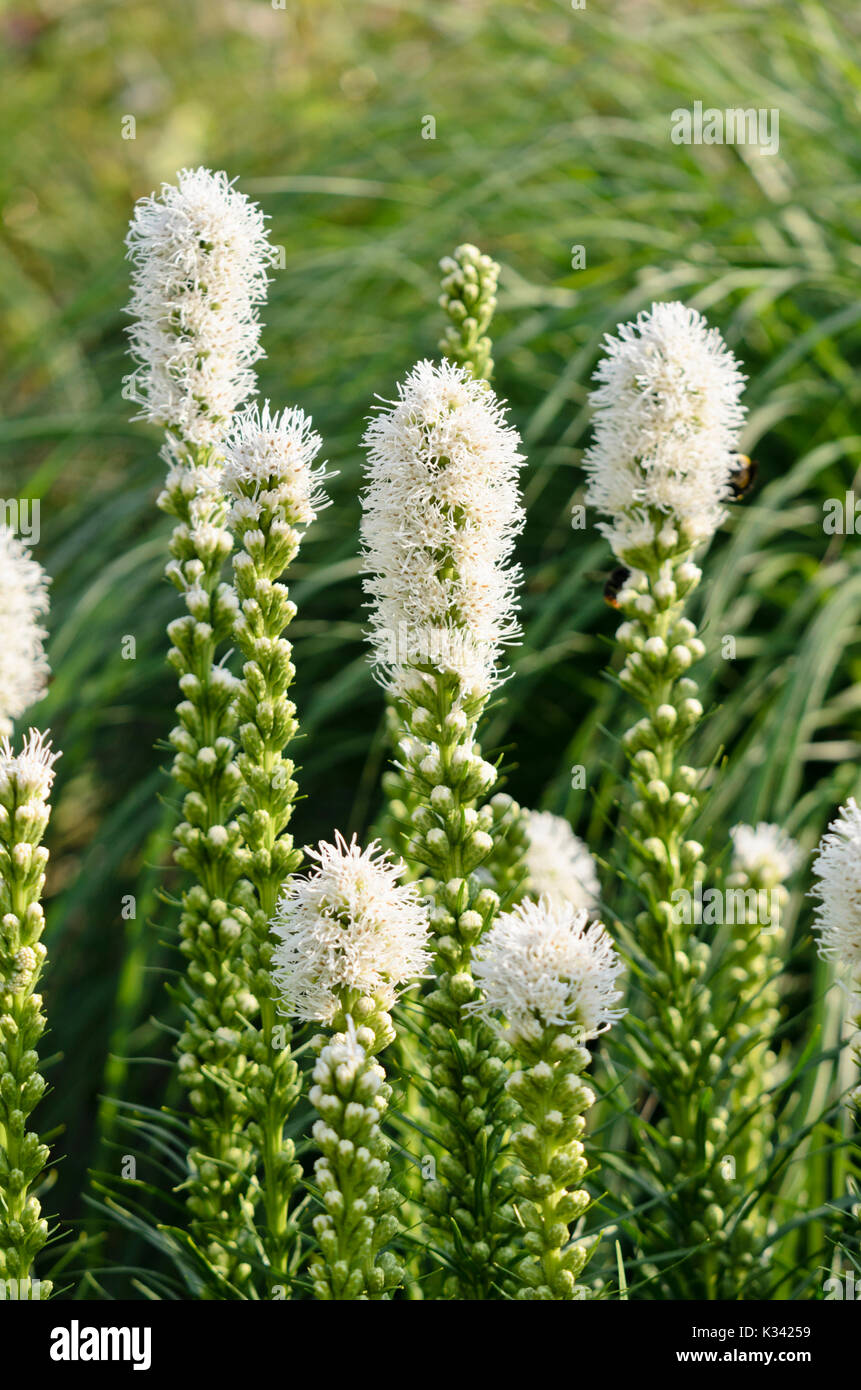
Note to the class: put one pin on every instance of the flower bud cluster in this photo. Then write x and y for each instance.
(546, 1139)
(468, 298)
(359, 1217)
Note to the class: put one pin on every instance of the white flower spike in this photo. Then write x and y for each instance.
(667, 413)
(544, 965)
(441, 513)
(348, 928)
(273, 455)
(200, 254)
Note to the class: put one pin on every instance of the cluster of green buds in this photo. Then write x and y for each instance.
(25, 785)
(213, 993)
(359, 1218)
(546, 1140)
(469, 299)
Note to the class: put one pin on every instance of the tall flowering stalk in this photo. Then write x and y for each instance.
(468, 298)
(275, 492)
(667, 412)
(25, 784)
(200, 256)
(441, 511)
(351, 937)
(551, 975)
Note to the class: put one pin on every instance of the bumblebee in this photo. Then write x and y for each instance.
(743, 476)
(614, 583)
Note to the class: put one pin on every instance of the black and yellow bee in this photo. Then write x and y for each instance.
(614, 583)
(743, 476)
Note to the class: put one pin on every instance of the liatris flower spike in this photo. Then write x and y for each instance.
(23, 603)
(274, 490)
(200, 257)
(351, 938)
(667, 412)
(549, 982)
(441, 512)
(25, 784)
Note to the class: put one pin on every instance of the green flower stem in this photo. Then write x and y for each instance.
(23, 858)
(546, 1139)
(351, 1095)
(267, 723)
(214, 995)
(756, 962)
(683, 1052)
(466, 1205)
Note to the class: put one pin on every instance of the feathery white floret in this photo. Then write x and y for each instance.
(31, 772)
(544, 965)
(667, 413)
(558, 863)
(23, 601)
(441, 513)
(273, 455)
(347, 928)
(837, 870)
(764, 853)
(200, 253)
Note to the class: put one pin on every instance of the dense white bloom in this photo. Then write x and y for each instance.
(837, 869)
(559, 865)
(764, 853)
(273, 454)
(667, 412)
(348, 927)
(31, 772)
(23, 601)
(201, 254)
(545, 964)
(441, 512)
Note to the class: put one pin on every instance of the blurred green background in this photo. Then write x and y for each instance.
(551, 131)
